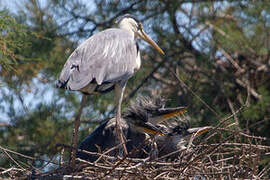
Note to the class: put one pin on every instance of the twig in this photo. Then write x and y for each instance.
(233, 112)
(109, 167)
(250, 90)
(10, 157)
(27, 157)
(109, 150)
(192, 92)
(11, 169)
(233, 62)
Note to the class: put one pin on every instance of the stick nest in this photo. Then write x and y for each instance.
(222, 153)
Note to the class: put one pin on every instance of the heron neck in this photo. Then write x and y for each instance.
(127, 28)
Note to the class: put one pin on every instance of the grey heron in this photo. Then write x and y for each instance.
(105, 62)
(135, 123)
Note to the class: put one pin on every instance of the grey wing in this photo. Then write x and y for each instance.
(107, 56)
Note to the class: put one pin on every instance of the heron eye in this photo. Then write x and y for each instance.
(140, 26)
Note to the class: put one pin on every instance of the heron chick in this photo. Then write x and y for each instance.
(136, 126)
(105, 62)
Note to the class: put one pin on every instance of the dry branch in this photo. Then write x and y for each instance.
(232, 154)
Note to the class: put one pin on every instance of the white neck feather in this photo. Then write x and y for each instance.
(127, 25)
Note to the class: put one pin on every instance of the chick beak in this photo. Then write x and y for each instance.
(166, 114)
(198, 131)
(149, 129)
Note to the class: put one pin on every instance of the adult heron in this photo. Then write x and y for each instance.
(105, 62)
(142, 118)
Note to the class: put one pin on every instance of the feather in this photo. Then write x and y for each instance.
(108, 56)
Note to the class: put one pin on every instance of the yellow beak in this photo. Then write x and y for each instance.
(172, 114)
(199, 131)
(146, 38)
(151, 131)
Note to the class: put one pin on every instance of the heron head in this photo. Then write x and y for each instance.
(179, 137)
(132, 24)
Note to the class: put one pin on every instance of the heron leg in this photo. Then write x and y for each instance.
(76, 128)
(119, 92)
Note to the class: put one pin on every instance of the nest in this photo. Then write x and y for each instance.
(221, 154)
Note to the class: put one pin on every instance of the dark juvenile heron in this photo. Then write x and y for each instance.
(136, 125)
(176, 139)
(106, 61)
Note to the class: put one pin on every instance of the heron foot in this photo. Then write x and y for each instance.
(120, 136)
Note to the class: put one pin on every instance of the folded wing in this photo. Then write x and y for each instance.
(108, 56)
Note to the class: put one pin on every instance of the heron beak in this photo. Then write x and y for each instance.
(172, 114)
(166, 114)
(198, 131)
(146, 38)
(149, 129)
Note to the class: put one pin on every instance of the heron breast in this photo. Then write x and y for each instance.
(138, 62)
